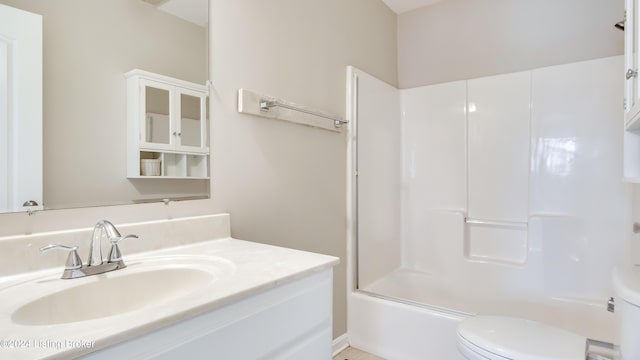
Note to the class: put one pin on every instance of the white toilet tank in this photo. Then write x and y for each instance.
(626, 285)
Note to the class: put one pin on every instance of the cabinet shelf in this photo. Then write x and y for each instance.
(168, 177)
(195, 153)
(172, 165)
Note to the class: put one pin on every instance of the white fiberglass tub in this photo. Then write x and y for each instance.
(391, 319)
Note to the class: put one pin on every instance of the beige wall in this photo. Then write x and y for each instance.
(464, 39)
(283, 183)
(88, 46)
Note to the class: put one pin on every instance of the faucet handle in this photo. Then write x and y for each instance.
(114, 254)
(73, 260)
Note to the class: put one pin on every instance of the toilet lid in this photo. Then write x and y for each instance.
(520, 339)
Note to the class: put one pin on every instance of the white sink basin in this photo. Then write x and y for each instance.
(142, 284)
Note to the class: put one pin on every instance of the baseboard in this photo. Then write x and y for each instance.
(340, 343)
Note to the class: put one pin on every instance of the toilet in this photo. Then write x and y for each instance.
(508, 338)
(501, 338)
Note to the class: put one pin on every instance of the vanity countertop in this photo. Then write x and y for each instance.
(250, 268)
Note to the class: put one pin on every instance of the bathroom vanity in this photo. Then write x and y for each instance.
(197, 294)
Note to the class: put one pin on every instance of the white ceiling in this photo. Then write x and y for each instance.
(195, 11)
(400, 6)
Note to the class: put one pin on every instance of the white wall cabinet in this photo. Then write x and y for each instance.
(631, 93)
(167, 127)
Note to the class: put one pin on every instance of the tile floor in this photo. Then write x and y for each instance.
(355, 354)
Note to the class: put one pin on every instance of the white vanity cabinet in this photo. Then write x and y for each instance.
(290, 321)
(189, 291)
(631, 92)
(167, 127)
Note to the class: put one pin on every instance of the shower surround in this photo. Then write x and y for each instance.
(499, 195)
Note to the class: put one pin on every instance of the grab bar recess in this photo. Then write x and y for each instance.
(495, 223)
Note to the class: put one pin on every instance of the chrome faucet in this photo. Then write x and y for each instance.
(95, 264)
(103, 227)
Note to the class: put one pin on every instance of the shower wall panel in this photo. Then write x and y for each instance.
(578, 199)
(434, 170)
(538, 152)
(499, 114)
(498, 119)
(379, 171)
(544, 153)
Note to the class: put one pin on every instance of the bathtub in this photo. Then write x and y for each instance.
(413, 312)
(412, 315)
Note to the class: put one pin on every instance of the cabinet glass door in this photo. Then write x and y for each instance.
(207, 123)
(157, 127)
(192, 121)
(635, 60)
(632, 63)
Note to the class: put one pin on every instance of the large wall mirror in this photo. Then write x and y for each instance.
(88, 46)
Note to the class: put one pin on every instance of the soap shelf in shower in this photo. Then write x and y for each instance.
(502, 242)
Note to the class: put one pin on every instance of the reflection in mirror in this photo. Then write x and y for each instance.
(158, 125)
(20, 110)
(88, 47)
(190, 124)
